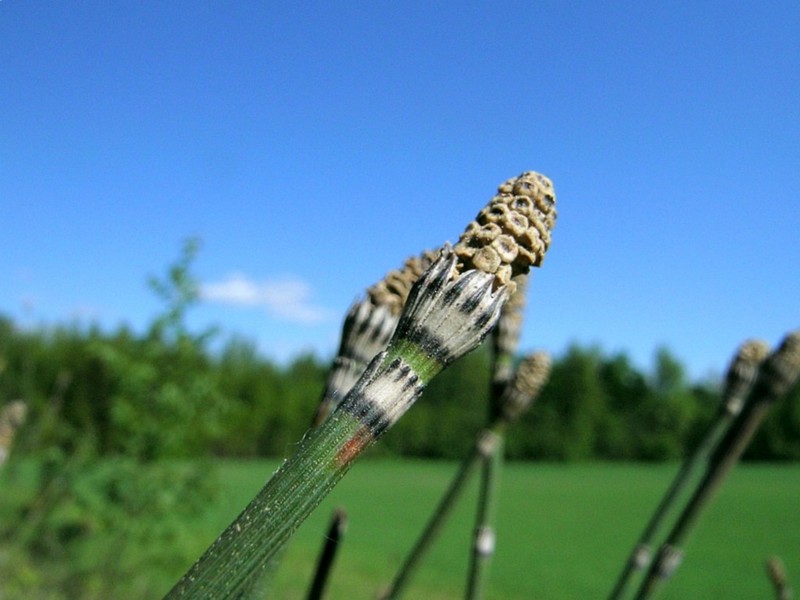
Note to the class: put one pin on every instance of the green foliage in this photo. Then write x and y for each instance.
(165, 394)
(166, 401)
(76, 527)
(625, 390)
(254, 388)
(597, 407)
(179, 291)
(93, 514)
(665, 420)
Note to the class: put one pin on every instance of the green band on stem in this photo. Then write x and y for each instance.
(425, 366)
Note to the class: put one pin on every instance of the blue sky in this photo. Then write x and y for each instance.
(314, 146)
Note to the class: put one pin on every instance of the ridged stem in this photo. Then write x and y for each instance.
(517, 397)
(240, 553)
(505, 338)
(484, 539)
(483, 444)
(776, 376)
(333, 541)
(447, 315)
(739, 381)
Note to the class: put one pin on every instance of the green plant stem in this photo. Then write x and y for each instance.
(446, 316)
(236, 560)
(484, 541)
(776, 376)
(240, 553)
(507, 404)
(333, 541)
(739, 382)
(670, 552)
(438, 518)
(491, 462)
(641, 555)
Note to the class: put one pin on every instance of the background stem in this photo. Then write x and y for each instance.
(484, 540)
(433, 526)
(333, 541)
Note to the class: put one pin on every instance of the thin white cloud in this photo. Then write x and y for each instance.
(287, 299)
(86, 313)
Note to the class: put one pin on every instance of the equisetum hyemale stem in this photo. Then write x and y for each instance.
(448, 501)
(450, 310)
(518, 397)
(483, 543)
(739, 380)
(505, 340)
(333, 541)
(776, 375)
(490, 242)
(367, 329)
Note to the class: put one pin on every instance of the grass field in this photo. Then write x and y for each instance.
(563, 531)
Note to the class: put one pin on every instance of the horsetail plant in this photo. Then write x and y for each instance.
(776, 376)
(504, 217)
(739, 380)
(367, 329)
(520, 394)
(368, 326)
(333, 541)
(531, 375)
(450, 310)
(505, 339)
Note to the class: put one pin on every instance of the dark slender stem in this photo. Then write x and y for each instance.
(670, 554)
(739, 381)
(641, 555)
(484, 539)
(433, 526)
(325, 563)
(506, 406)
(776, 376)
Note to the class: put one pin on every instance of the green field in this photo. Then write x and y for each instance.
(563, 530)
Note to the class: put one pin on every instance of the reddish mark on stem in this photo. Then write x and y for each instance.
(353, 447)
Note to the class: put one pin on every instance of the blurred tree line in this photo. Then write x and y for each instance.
(164, 394)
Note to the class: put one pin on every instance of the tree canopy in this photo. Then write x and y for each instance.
(164, 393)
